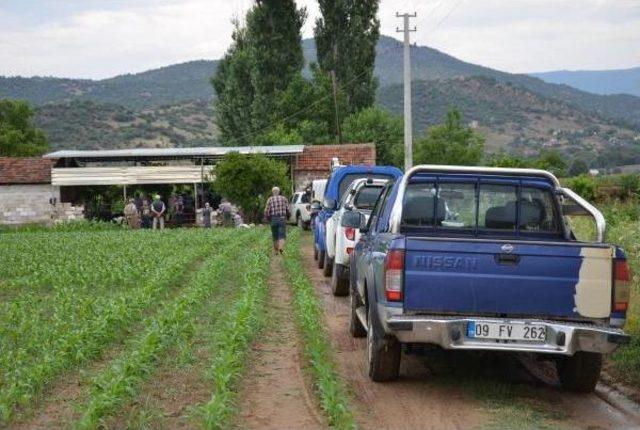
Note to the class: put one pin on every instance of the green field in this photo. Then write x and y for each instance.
(104, 314)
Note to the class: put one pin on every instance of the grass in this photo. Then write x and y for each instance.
(316, 345)
(170, 326)
(232, 340)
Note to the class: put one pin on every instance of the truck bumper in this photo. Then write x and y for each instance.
(563, 338)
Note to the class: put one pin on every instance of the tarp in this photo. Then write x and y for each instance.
(77, 176)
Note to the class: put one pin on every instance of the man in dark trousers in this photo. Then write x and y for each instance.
(277, 213)
(158, 209)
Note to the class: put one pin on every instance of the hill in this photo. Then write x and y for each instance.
(516, 119)
(171, 106)
(83, 124)
(605, 82)
(167, 85)
(190, 81)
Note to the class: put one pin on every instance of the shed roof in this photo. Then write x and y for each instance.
(209, 151)
(25, 170)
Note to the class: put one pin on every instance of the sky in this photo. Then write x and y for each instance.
(102, 38)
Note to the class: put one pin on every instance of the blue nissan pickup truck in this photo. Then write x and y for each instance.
(337, 183)
(474, 258)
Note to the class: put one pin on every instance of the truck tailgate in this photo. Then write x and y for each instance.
(507, 279)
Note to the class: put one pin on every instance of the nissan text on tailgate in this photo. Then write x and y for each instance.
(474, 258)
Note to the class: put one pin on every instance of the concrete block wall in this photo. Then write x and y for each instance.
(26, 204)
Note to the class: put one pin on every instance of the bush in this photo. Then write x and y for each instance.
(246, 180)
(584, 185)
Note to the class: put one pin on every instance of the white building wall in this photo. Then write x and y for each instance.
(24, 204)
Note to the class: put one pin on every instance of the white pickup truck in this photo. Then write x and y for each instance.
(360, 196)
(300, 209)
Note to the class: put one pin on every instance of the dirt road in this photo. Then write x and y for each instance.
(274, 392)
(447, 390)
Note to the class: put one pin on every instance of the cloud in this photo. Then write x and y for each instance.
(98, 39)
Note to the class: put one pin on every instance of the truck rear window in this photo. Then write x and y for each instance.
(367, 197)
(480, 208)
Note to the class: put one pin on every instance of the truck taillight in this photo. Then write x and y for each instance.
(393, 275)
(350, 233)
(621, 286)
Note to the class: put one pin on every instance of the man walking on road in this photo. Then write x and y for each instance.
(277, 212)
(158, 209)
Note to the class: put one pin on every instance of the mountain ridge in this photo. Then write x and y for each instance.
(190, 81)
(603, 82)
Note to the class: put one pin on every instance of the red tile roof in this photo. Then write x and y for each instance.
(25, 170)
(318, 157)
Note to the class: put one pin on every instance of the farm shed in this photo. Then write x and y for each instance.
(128, 167)
(26, 193)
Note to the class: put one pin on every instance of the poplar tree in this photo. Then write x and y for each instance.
(346, 36)
(274, 35)
(264, 59)
(235, 93)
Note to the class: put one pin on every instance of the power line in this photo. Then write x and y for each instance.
(444, 18)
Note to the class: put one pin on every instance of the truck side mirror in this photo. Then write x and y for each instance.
(352, 219)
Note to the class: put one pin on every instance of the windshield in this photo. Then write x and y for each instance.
(367, 196)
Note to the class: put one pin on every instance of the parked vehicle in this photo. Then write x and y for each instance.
(503, 273)
(317, 189)
(337, 183)
(300, 209)
(360, 196)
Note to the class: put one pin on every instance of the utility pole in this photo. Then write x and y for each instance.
(408, 128)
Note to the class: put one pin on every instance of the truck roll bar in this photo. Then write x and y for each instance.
(396, 211)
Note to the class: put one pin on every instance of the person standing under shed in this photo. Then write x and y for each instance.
(158, 209)
(131, 214)
(206, 215)
(277, 212)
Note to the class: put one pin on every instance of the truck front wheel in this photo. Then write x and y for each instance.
(579, 372)
(383, 352)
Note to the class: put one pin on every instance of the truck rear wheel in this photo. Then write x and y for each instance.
(383, 352)
(580, 372)
(355, 326)
(328, 265)
(321, 258)
(339, 280)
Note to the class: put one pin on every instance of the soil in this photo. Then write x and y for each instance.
(448, 390)
(274, 392)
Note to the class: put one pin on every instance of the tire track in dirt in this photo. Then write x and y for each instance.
(274, 393)
(410, 402)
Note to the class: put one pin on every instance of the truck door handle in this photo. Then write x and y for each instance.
(508, 259)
